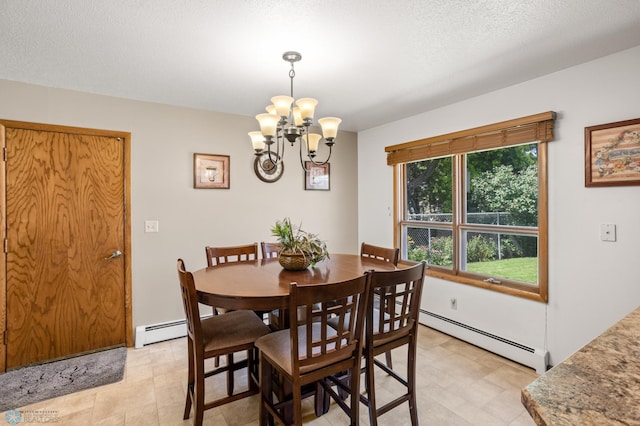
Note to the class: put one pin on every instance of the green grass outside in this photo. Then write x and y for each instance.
(523, 269)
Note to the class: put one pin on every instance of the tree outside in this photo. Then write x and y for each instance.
(502, 190)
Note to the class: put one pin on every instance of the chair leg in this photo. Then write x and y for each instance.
(198, 393)
(266, 392)
(190, 382)
(388, 358)
(327, 402)
(230, 375)
(321, 400)
(297, 404)
(216, 363)
(411, 382)
(187, 403)
(371, 389)
(355, 395)
(343, 377)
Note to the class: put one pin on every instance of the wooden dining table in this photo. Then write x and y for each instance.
(263, 285)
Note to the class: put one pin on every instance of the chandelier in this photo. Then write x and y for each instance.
(286, 121)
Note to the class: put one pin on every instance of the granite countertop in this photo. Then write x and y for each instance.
(597, 385)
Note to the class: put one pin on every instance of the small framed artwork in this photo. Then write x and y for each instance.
(316, 177)
(612, 154)
(210, 171)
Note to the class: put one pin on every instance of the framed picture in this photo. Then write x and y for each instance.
(316, 177)
(612, 154)
(210, 171)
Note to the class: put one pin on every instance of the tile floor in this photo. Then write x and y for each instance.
(458, 384)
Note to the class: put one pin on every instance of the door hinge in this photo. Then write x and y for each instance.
(5, 338)
(4, 153)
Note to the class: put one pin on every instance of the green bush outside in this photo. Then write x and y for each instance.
(441, 252)
(480, 249)
(481, 256)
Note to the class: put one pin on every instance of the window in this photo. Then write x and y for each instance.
(473, 204)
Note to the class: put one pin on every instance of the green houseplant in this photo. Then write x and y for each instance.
(299, 248)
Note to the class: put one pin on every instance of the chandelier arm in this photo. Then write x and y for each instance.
(271, 159)
(280, 148)
(316, 163)
(301, 160)
(279, 153)
(269, 152)
(310, 159)
(313, 163)
(280, 142)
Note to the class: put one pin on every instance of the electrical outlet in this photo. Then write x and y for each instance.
(608, 232)
(454, 303)
(151, 226)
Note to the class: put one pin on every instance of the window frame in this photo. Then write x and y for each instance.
(532, 129)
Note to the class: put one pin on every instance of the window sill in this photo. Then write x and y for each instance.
(531, 293)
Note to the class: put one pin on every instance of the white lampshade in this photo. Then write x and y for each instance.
(257, 140)
(268, 123)
(313, 139)
(271, 109)
(307, 107)
(282, 104)
(329, 127)
(297, 116)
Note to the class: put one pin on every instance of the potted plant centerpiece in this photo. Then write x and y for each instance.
(299, 248)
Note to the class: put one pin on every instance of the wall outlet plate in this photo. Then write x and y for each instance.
(608, 232)
(151, 226)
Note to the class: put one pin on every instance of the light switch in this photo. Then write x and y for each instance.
(150, 226)
(608, 232)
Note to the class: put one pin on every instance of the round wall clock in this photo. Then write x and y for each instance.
(266, 170)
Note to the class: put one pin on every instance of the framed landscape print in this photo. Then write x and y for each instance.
(316, 177)
(612, 154)
(211, 171)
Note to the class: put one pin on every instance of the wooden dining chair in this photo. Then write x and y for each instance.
(217, 256)
(304, 355)
(387, 254)
(270, 250)
(393, 325)
(221, 255)
(390, 255)
(213, 337)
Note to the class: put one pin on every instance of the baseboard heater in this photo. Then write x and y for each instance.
(147, 334)
(531, 357)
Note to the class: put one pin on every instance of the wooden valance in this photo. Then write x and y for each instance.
(534, 128)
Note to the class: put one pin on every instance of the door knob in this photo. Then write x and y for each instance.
(115, 254)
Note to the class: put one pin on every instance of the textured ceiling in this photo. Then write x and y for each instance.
(366, 61)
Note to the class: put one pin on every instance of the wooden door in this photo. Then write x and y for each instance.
(67, 273)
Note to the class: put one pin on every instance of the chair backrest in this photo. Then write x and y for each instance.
(345, 300)
(220, 255)
(190, 303)
(396, 296)
(270, 250)
(388, 254)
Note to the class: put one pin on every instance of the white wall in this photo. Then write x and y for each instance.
(592, 284)
(163, 140)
